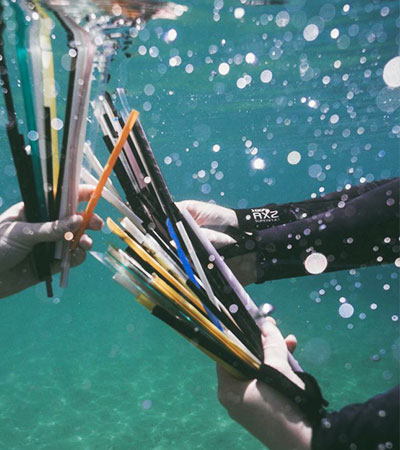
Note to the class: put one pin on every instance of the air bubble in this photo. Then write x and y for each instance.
(206, 188)
(251, 58)
(334, 33)
(233, 308)
(57, 124)
(316, 263)
(266, 76)
(346, 310)
(241, 83)
(258, 164)
(326, 80)
(294, 157)
(154, 52)
(315, 170)
(149, 89)
(189, 68)
(282, 19)
(334, 119)
(391, 72)
(33, 135)
(239, 13)
(223, 68)
(310, 32)
(170, 36)
(69, 236)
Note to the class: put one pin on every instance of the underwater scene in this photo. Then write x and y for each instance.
(245, 103)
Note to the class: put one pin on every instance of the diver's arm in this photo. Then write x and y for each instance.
(353, 228)
(359, 231)
(262, 411)
(369, 426)
(280, 425)
(273, 214)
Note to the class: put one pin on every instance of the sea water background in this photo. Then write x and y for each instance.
(90, 369)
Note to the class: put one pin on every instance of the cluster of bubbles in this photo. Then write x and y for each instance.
(204, 177)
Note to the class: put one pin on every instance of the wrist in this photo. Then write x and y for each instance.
(284, 368)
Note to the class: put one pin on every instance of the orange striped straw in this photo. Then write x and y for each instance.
(108, 168)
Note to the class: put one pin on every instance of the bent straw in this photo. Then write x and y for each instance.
(105, 175)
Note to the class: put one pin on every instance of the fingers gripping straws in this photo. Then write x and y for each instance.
(186, 284)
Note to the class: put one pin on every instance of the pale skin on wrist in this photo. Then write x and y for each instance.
(264, 412)
(269, 417)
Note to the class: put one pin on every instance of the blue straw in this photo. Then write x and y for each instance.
(189, 271)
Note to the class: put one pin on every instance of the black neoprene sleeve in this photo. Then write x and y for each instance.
(372, 425)
(352, 228)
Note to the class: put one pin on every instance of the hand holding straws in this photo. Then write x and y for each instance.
(187, 285)
(48, 175)
(28, 165)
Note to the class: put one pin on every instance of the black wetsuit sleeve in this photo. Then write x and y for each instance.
(353, 228)
(372, 425)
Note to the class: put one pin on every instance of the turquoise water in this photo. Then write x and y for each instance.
(91, 369)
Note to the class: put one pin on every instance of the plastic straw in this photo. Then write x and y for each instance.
(106, 173)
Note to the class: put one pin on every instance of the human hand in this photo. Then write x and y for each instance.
(209, 215)
(214, 221)
(18, 237)
(265, 413)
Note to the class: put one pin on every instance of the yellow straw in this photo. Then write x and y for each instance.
(49, 83)
(204, 321)
(155, 264)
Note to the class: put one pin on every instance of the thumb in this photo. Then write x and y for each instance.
(30, 234)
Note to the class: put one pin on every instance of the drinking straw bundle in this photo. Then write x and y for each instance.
(168, 265)
(37, 163)
(48, 165)
(48, 176)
